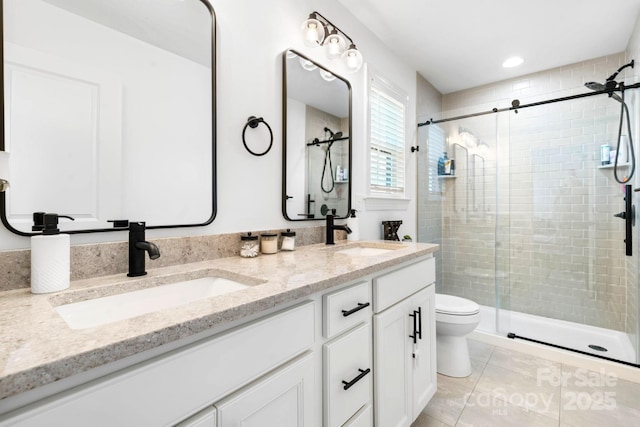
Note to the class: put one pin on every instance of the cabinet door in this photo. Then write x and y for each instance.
(284, 398)
(423, 357)
(392, 364)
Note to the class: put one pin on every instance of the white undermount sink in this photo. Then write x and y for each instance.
(100, 311)
(367, 249)
(363, 251)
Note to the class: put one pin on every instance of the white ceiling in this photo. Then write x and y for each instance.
(458, 44)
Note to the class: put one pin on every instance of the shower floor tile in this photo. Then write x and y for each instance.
(510, 388)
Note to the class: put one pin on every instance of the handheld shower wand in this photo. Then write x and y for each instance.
(609, 86)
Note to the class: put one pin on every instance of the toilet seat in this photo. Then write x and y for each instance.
(452, 305)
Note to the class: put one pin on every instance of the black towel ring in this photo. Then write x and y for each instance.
(253, 123)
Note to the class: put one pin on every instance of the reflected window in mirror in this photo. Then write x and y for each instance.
(317, 140)
(109, 112)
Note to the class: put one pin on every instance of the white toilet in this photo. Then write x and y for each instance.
(455, 318)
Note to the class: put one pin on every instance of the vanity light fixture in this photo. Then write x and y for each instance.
(319, 31)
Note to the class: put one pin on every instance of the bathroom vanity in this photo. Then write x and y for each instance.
(330, 336)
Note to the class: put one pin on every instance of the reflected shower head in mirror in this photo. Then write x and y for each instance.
(599, 86)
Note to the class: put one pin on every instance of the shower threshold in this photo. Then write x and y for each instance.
(588, 353)
(561, 334)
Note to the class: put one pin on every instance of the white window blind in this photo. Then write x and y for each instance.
(387, 139)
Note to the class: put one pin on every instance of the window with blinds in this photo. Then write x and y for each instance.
(387, 109)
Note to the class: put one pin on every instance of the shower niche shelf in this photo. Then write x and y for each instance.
(610, 166)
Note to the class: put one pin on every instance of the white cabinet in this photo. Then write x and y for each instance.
(205, 418)
(404, 346)
(283, 398)
(346, 308)
(347, 375)
(423, 353)
(347, 361)
(391, 357)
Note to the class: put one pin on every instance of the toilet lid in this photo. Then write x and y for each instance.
(448, 304)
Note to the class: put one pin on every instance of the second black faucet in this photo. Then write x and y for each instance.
(331, 227)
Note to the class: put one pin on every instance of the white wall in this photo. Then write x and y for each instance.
(252, 35)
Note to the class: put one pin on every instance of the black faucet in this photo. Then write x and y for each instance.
(137, 248)
(331, 227)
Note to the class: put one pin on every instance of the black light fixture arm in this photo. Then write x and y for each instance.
(317, 14)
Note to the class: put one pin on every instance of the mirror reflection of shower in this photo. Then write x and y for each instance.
(327, 162)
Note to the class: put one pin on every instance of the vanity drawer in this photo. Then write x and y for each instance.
(346, 308)
(395, 286)
(364, 418)
(347, 364)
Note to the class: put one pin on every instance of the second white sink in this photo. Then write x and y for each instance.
(100, 311)
(363, 251)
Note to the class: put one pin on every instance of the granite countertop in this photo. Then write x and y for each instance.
(39, 348)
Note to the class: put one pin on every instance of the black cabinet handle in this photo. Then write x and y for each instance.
(360, 306)
(414, 336)
(419, 330)
(361, 375)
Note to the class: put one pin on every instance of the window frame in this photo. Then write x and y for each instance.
(390, 90)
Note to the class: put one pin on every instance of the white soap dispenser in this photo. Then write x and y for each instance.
(352, 223)
(50, 255)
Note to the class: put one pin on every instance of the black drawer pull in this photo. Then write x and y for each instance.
(360, 306)
(347, 385)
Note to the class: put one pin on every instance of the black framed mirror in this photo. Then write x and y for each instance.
(316, 171)
(109, 112)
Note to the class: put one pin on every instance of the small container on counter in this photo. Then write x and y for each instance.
(269, 243)
(249, 246)
(288, 240)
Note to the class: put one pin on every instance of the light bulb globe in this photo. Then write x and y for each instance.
(353, 59)
(312, 32)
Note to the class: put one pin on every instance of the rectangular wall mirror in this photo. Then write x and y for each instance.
(109, 112)
(316, 173)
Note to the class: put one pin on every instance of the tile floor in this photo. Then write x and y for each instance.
(508, 388)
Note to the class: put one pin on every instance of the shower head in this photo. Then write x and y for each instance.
(600, 87)
(337, 135)
(326, 129)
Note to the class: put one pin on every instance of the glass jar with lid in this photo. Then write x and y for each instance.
(269, 243)
(249, 246)
(288, 240)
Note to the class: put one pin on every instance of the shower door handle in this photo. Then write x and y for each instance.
(627, 215)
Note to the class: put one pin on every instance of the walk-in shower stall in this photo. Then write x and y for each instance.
(527, 223)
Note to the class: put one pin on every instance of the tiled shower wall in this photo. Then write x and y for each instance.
(559, 250)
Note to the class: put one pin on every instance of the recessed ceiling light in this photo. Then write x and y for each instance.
(514, 61)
